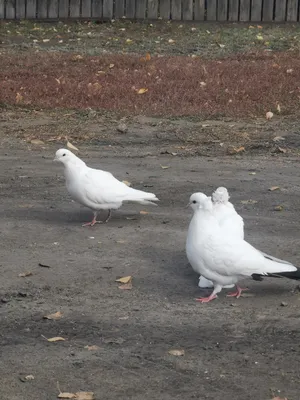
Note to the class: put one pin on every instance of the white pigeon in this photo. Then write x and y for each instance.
(96, 189)
(231, 222)
(225, 259)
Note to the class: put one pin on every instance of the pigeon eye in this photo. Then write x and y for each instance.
(194, 202)
(64, 154)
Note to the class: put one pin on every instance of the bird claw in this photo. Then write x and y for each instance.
(206, 299)
(238, 293)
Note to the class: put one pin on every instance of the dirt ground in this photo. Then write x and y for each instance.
(234, 349)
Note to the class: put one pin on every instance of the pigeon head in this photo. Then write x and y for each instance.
(64, 156)
(220, 195)
(200, 200)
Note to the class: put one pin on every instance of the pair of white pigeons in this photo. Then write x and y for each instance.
(215, 244)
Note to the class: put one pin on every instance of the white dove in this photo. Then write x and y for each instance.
(231, 222)
(225, 259)
(96, 189)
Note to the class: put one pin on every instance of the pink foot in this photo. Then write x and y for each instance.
(206, 299)
(238, 292)
(92, 223)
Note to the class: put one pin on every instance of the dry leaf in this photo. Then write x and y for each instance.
(279, 398)
(278, 208)
(127, 183)
(165, 166)
(92, 348)
(128, 41)
(249, 201)
(55, 339)
(252, 173)
(24, 274)
(125, 279)
(142, 91)
(57, 315)
(278, 108)
(77, 57)
(269, 115)
(71, 146)
(259, 26)
(26, 378)
(289, 71)
(37, 142)
(148, 57)
(144, 212)
(259, 37)
(46, 40)
(65, 395)
(176, 352)
(126, 286)
(278, 139)
(84, 396)
(281, 149)
(272, 188)
(171, 41)
(222, 46)
(235, 150)
(19, 98)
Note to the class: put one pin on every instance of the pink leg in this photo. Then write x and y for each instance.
(207, 299)
(92, 223)
(238, 292)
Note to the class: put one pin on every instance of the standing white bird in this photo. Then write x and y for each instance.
(232, 223)
(225, 259)
(96, 189)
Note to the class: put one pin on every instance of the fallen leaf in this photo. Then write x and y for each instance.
(125, 279)
(278, 108)
(252, 173)
(19, 98)
(281, 149)
(113, 340)
(65, 395)
(111, 65)
(148, 57)
(259, 37)
(126, 286)
(142, 91)
(26, 378)
(92, 348)
(272, 188)
(222, 46)
(289, 71)
(165, 166)
(77, 57)
(46, 40)
(24, 274)
(37, 142)
(269, 115)
(235, 150)
(55, 339)
(259, 26)
(176, 352)
(278, 139)
(249, 201)
(144, 212)
(171, 41)
(279, 398)
(128, 40)
(278, 208)
(84, 396)
(127, 183)
(57, 315)
(71, 146)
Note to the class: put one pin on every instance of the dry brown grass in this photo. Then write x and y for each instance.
(247, 85)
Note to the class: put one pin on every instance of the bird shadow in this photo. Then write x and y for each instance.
(60, 217)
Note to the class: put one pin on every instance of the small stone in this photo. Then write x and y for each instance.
(122, 128)
(283, 304)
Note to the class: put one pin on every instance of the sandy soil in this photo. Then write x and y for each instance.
(234, 349)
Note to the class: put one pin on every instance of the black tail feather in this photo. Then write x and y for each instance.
(290, 275)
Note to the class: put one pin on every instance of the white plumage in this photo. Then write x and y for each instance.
(221, 258)
(96, 189)
(232, 224)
